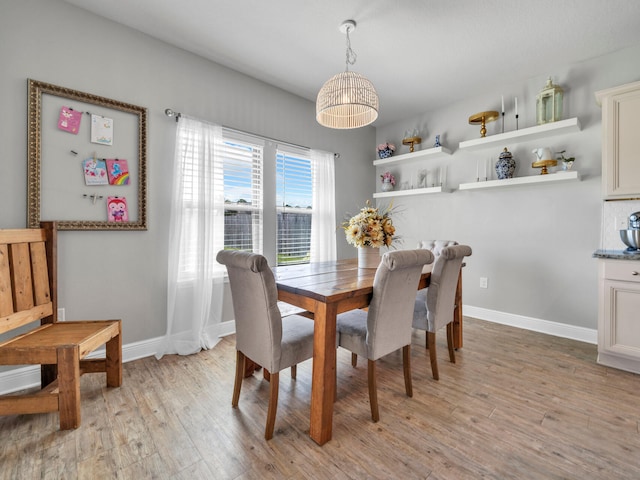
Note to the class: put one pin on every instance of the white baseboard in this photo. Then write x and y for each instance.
(587, 335)
(28, 377)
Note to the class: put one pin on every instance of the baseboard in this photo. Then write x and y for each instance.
(587, 335)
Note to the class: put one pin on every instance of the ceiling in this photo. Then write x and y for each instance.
(419, 54)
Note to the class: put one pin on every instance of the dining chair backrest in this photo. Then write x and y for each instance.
(255, 305)
(442, 285)
(436, 246)
(391, 308)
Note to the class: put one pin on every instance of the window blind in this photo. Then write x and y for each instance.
(242, 163)
(294, 193)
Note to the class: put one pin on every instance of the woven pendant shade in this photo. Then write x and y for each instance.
(347, 100)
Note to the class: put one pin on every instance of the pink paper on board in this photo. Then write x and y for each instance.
(117, 209)
(69, 120)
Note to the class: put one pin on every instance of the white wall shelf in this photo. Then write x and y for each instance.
(568, 176)
(428, 153)
(414, 191)
(531, 133)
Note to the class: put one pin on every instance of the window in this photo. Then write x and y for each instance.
(243, 192)
(243, 159)
(294, 196)
(243, 213)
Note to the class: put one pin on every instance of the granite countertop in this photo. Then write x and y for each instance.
(617, 254)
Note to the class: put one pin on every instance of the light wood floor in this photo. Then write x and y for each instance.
(517, 404)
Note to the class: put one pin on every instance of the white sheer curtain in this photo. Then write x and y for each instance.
(323, 219)
(195, 280)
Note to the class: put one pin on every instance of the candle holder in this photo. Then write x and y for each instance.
(543, 164)
(411, 141)
(503, 121)
(482, 119)
(516, 121)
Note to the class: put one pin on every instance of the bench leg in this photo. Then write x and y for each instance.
(114, 361)
(69, 387)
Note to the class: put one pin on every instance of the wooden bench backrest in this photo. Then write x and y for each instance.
(28, 276)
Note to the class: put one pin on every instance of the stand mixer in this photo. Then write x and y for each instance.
(631, 236)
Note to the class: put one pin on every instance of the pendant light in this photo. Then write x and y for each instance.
(348, 99)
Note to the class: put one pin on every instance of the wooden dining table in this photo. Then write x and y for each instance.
(327, 289)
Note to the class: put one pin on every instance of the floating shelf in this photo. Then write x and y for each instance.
(531, 133)
(430, 152)
(550, 177)
(413, 191)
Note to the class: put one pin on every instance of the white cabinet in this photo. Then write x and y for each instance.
(619, 314)
(620, 140)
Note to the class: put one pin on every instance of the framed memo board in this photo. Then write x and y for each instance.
(57, 186)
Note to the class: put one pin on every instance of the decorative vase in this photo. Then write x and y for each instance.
(386, 153)
(368, 257)
(387, 186)
(506, 165)
(567, 166)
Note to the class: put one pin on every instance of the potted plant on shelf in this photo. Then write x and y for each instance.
(385, 150)
(388, 181)
(567, 163)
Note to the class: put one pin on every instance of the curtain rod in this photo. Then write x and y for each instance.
(172, 113)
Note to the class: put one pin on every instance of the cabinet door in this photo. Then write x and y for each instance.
(621, 328)
(621, 142)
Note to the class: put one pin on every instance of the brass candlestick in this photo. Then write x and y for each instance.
(482, 119)
(411, 141)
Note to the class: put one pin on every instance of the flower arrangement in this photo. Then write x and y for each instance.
(370, 227)
(388, 177)
(386, 146)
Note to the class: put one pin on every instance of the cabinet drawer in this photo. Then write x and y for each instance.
(627, 271)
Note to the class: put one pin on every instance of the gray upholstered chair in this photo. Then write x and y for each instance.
(262, 334)
(386, 326)
(434, 305)
(436, 246)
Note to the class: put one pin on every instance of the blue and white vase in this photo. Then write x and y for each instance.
(506, 165)
(386, 153)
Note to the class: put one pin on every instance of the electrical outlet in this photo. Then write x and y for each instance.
(484, 282)
(61, 314)
(621, 223)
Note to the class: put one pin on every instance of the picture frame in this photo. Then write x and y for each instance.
(56, 189)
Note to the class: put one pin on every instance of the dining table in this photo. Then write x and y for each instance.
(326, 289)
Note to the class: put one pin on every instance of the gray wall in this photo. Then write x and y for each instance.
(533, 242)
(54, 42)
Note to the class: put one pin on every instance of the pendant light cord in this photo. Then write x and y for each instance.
(351, 55)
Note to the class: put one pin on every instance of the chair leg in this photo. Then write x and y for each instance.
(294, 371)
(69, 387)
(431, 340)
(373, 391)
(426, 340)
(406, 366)
(239, 376)
(354, 360)
(273, 405)
(452, 353)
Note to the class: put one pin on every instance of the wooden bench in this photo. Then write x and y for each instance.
(28, 280)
